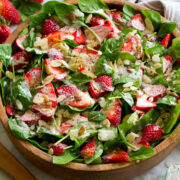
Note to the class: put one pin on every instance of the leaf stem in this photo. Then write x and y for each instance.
(62, 139)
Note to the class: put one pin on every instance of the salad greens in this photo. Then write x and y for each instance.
(92, 88)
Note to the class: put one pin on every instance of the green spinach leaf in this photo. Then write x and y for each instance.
(79, 77)
(96, 116)
(167, 100)
(29, 41)
(128, 12)
(174, 83)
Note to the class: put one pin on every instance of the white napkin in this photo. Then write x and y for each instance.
(168, 8)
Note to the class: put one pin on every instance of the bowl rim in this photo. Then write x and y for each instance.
(34, 151)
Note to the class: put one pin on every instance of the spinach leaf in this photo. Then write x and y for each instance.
(97, 154)
(111, 48)
(72, 44)
(66, 157)
(125, 127)
(153, 16)
(126, 55)
(165, 28)
(4, 82)
(24, 32)
(173, 119)
(5, 54)
(49, 7)
(63, 11)
(142, 153)
(128, 98)
(159, 79)
(79, 77)
(28, 8)
(35, 51)
(112, 144)
(20, 94)
(174, 49)
(96, 116)
(93, 6)
(167, 100)
(70, 108)
(19, 129)
(159, 49)
(29, 41)
(128, 12)
(149, 118)
(174, 83)
(35, 143)
(102, 67)
(122, 79)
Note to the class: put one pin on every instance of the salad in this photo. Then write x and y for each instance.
(91, 84)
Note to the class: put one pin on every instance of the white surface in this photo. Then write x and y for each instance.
(156, 173)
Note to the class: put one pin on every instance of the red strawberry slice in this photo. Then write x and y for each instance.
(39, 1)
(117, 156)
(88, 149)
(128, 46)
(114, 112)
(168, 60)
(45, 102)
(55, 54)
(155, 91)
(143, 103)
(101, 31)
(10, 110)
(64, 127)
(9, 12)
(74, 97)
(151, 133)
(146, 144)
(60, 73)
(49, 27)
(30, 118)
(137, 22)
(20, 60)
(33, 77)
(166, 40)
(4, 33)
(85, 50)
(117, 17)
(100, 85)
(96, 20)
(19, 42)
(66, 32)
(57, 149)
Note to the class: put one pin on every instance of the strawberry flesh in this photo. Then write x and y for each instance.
(114, 112)
(88, 149)
(100, 85)
(33, 77)
(10, 110)
(117, 156)
(166, 40)
(49, 27)
(19, 42)
(137, 22)
(57, 149)
(169, 61)
(117, 17)
(4, 33)
(151, 133)
(96, 20)
(64, 127)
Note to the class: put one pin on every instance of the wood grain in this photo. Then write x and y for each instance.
(78, 171)
(12, 166)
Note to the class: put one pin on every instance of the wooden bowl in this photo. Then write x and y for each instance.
(77, 171)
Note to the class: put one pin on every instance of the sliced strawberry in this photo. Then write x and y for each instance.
(178, 60)
(60, 73)
(155, 91)
(134, 46)
(67, 32)
(57, 149)
(96, 20)
(85, 50)
(88, 149)
(30, 118)
(100, 85)
(143, 103)
(114, 30)
(166, 40)
(114, 112)
(117, 156)
(20, 60)
(146, 144)
(117, 17)
(151, 133)
(45, 102)
(19, 42)
(49, 27)
(64, 127)
(33, 77)
(10, 110)
(137, 22)
(101, 31)
(55, 54)
(74, 97)
(168, 60)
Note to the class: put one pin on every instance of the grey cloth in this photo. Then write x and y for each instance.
(170, 9)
